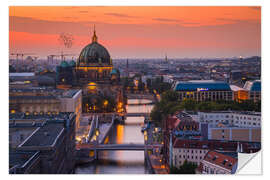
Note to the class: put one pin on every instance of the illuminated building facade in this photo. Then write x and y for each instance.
(254, 90)
(45, 101)
(204, 90)
(94, 74)
(239, 94)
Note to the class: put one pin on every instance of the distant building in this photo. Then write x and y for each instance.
(234, 133)
(219, 163)
(204, 90)
(65, 74)
(238, 119)
(50, 149)
(254, 90)
(235, 76)
(30, 79)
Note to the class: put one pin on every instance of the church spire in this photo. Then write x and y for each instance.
(94, 37)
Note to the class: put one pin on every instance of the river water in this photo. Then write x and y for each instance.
(122, 162)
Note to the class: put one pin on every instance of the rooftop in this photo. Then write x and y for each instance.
(253, 85)
(236, 88)
(59, 116)
(220, 159)
(70, 93)
(215, 145)
(22, 74)
(44, 136)
(202, 85)
(20, 159)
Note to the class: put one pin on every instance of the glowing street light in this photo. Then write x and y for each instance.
(97, 132)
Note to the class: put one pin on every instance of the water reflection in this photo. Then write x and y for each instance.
(122, 162)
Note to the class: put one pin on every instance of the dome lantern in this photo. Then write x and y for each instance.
(94, 37)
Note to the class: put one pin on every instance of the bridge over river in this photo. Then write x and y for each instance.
(111, 147)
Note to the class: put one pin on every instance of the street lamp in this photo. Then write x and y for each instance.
(97, 132)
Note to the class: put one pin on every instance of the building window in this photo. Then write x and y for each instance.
(21, 137)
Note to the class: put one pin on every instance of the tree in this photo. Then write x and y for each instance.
(189, 104)
(186, 168)
(169, 96)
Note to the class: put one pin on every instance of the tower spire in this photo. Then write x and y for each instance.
(94, 37)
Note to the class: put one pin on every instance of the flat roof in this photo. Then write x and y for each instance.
(20, 158)
(44, 136)
(22, 74)
(201, 85)
(236, 88)
(59, 116)
(70, 93)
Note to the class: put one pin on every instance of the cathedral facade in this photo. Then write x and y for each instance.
(94, 64)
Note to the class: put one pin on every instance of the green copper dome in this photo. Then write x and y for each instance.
(64, 64)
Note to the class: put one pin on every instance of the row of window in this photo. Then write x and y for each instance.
(209, 170)
(192, 157)
(231, 116)
(192, 151)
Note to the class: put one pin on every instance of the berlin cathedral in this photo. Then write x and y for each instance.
(94, 74)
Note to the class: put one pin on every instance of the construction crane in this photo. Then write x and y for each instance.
(20, 54)
(17, 56)
(52, 56)
(63, 55)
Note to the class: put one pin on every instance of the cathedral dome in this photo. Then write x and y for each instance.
(94, 53)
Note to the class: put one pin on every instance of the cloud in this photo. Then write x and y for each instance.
(31, 25)
(83, 12)
(165, 20)
(258, 8)
(120, 15)
(234, 21)
(72, 7)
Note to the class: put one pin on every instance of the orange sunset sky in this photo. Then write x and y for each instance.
(138, 32)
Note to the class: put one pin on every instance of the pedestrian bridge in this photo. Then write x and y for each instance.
(119, 147)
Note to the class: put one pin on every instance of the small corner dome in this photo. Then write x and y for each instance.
(64, 64)
(72, 63)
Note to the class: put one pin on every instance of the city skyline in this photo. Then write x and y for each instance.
(139, 32)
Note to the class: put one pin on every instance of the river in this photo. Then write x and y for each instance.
(122, 162)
